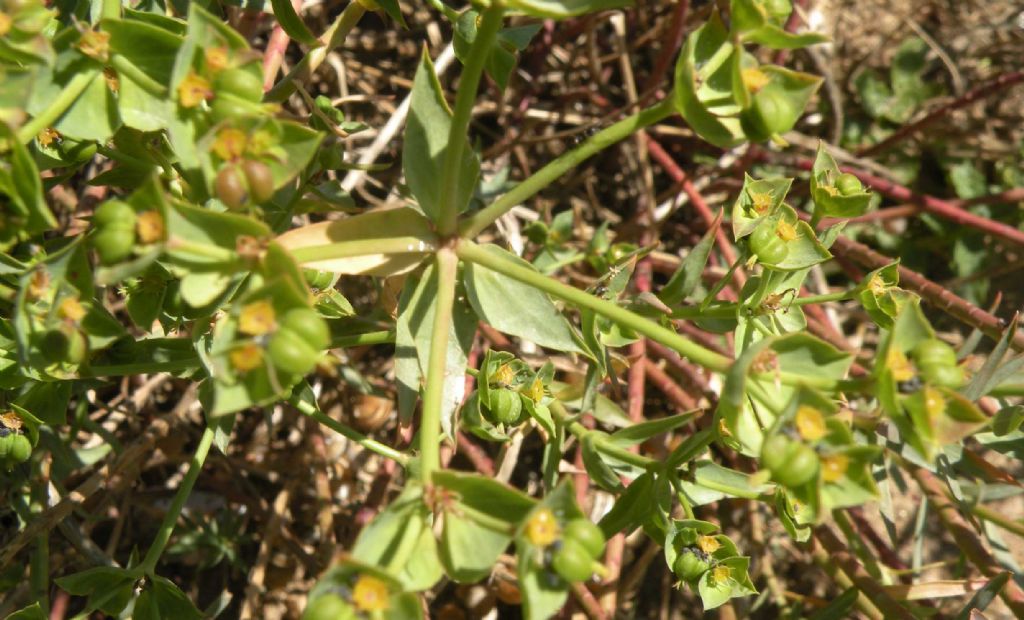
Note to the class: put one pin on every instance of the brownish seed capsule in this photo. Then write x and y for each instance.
(231, 189)
(260, 178)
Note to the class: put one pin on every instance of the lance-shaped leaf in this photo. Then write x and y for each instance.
(150, 51)
(426, 146)
(24, 211)
(516, 308)
(383, 242)
(292, 24)
(562, 9)
(686, 278)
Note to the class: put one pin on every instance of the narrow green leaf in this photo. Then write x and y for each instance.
(562, 9)
(686, 278)
(292, 24)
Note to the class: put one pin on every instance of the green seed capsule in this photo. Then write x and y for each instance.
(64, 344)
(791, 463)
(20, 449)
(6, 442)
(587, 534)
(933, 352)
(308, 325)
(848, 184)
(239, 83)
(945, 376)
(505, 406)
(767, 245)
(690, 565)
(228, 107)
(329, 607)
(290, 353)
(771, 112)
(572, 562)
(260, 180)
(114, 214)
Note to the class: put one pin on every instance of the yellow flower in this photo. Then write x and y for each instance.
(834, 467)
(150, 226)
(503, 376)
(257, 318)
(193, 90)
(708, 544)
(230, 144)
(762, 201)
(899, 365)
(11, 420)
(754, 79)
(246, 357)
(370, 594)
(720, 574)
(542, 528)
(71, 309)
(95, 44)
(216, 59)
(810, 423)
(48, 136)
(536, 392)
(785, 231)
(877, 285)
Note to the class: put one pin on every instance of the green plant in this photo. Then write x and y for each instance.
(221, 289)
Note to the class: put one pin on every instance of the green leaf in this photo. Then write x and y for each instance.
(562, 9)
(152, 50)
(292, 24)
(414, 331)
(163, 599)
(600, 472)
(32, 612)
(686, 278)
(108, 589)
(516, 308)
(393, 11)
(468, 549)
(1007, 420)
(986, 378)
(486, 495)
(827, 198)
(47, 401)
(692, 96)
(631, 507)
(424, 568)
(641, 432)
(25, 210)
(426, 144)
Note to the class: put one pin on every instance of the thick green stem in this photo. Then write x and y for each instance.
(171, 518)
(372, 445)
(332, 38)
(362, 247)
(486, 34)
(68, 95)
(433, 393)
(547, 175)
(126, 68)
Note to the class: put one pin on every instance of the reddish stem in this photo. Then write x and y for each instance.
(667, 386)
(273, 56)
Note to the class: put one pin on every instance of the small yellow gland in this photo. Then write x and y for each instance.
(230, 144)
(720, 574)
(5, 23)
(536, 392)
(934, 402)
(708, 544)
(38, 284)
(216, 59)
(754, 79)
(370, 594)
(877, 285)
(785, 231)
(193, 90)
(246, 357)
(503, 376)
(899, 365)
(11, 420)
(810, 423)
(48, 136)
(542, 529)
(834, 467)
(71, 309)
(150, 226)
(95, 44)
(762, 201)
(257, 318)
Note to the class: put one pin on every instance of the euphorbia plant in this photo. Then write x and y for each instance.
(197, 235)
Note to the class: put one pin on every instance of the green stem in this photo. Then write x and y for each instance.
(356, 340)
(127, 68)
(204, 250)
(600, 440)
(331, 38)
(139, 368)
(547, 175)
(362, 247)
(353, 435)
(433, 393)
(729, 310)
(469, 251)
(67, 96)
(1008, 524)
(486, 34)
(163, 536)
(714, 63)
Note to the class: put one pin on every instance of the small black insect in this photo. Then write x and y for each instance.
(910, 385)
(585, 135)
